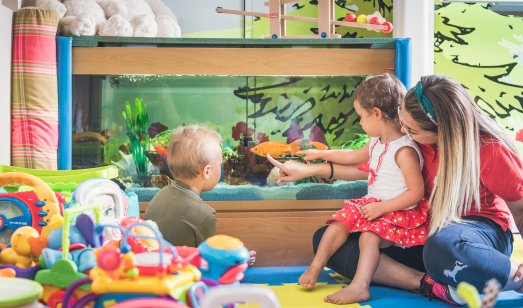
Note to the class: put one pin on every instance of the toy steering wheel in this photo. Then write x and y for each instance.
(47, 202)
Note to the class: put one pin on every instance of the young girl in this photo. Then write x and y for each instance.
(394, 212)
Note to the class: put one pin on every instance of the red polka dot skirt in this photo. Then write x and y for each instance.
(405, 228)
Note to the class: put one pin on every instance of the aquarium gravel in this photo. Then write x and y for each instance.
(308, 191)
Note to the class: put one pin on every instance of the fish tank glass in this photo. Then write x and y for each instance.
(127, 120)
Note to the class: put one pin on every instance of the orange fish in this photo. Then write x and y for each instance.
(160, 150)
(277, 148)
(273, 148)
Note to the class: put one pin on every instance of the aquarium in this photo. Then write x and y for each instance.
(261, 96)
(126, 120)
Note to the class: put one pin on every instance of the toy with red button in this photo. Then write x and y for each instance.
(373, 19)
(30, 208)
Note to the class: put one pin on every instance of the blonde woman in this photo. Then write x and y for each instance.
(474, 179)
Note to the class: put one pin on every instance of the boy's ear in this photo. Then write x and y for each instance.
(206, 171)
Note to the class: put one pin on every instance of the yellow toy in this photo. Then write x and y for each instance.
(471, 295)
(20, 253)
(362, 19)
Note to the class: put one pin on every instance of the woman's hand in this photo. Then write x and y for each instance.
(291, 171)
(518, 276)
(310, 154)
(372, 211)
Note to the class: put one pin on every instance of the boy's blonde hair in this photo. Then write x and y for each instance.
(384, 92)
(190, 149)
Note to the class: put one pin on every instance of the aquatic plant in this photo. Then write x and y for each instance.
(137, 130)
(229, 153)
(239, 131)
(162, 139)
(139, 122)
(356, 143)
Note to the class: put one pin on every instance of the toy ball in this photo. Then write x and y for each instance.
(350, 17)
(362, 19)
(375, 21)
(389, 27)
(109, 259)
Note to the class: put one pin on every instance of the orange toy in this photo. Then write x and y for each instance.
(20, 253)
(7, 273)
(277, 149)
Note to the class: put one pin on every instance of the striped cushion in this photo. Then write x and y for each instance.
(35, 89)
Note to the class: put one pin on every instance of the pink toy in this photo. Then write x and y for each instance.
(147, 303)
(350, 17)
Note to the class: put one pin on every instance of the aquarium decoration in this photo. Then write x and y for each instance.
(162, 139)
(138, 132)
(156, 129)
(356, 143)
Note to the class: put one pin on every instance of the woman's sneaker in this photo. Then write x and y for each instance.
(431, 289)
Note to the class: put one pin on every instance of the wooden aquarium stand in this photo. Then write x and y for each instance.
(280, 231)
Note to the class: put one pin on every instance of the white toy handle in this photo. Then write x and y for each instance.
(220, 295)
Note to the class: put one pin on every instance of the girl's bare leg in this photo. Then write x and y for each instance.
(335, 236)
(358, 289)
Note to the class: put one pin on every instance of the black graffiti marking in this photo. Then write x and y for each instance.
(297, 5)
(462, 31)
(497, 79)
(334, 124)
(502, 93)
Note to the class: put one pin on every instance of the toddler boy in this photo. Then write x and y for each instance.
(194, 156)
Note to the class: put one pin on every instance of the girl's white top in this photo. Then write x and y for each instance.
(389, 182)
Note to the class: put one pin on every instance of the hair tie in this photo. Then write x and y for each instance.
(424, 103)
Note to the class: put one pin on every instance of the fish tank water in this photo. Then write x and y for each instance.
(127, 120)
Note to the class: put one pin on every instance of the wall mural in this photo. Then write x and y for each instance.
(485, 57)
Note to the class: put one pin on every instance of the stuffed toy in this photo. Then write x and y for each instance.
(139, 18)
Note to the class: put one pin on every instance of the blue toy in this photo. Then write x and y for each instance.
(115, 203)
(80, 238)
(226, 257)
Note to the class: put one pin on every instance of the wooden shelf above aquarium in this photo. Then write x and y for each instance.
(240, 57)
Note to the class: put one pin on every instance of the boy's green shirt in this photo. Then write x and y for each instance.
(182, 216)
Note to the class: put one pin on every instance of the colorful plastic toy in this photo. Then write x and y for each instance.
(80, 238)
(109, 195)
(140, 245)
(227, 294)
(59, 273)
(471, 296)
(326, 20)
(31, 208)
(118, 276)
(20, 254)
(227, 257)
(19, 293)
(7, 273)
